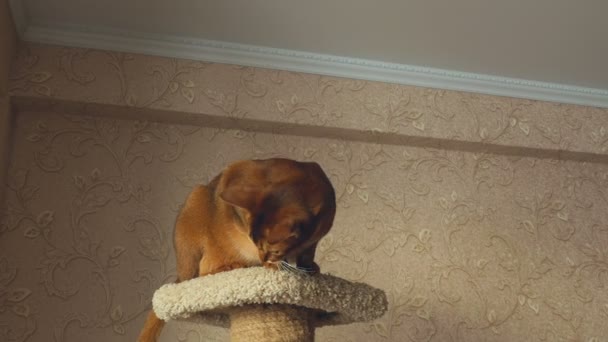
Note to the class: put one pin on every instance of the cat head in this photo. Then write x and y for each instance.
(284, 206)
(281, 227)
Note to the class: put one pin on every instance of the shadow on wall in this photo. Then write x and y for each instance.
(303, 130)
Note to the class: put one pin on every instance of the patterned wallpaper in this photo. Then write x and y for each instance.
(482, 217)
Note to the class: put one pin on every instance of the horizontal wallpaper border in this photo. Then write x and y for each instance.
(299, 61)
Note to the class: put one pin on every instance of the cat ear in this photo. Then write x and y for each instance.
(244, 197)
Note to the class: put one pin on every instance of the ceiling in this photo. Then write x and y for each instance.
(558, 42)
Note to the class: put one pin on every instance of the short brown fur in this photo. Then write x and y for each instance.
(256, 212)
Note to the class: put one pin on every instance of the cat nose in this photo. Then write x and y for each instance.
(274, 257)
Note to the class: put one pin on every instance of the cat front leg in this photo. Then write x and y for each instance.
(208, 267)
(229, 267)
(306, 260)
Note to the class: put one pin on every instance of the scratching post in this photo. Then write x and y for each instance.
(274, 322)
(264, 305)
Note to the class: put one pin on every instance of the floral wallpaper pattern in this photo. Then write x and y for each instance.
(482, 217)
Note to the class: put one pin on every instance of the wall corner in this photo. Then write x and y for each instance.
(8, 47)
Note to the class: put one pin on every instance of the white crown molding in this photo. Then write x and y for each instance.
(272, 58)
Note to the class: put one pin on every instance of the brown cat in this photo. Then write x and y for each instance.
(257, 212)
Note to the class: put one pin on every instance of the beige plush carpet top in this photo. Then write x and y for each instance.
(209, 299)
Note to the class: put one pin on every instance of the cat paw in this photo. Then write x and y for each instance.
(234, 266)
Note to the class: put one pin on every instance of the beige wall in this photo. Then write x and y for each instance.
(452, 202)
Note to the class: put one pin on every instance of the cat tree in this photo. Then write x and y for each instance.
(269, 306)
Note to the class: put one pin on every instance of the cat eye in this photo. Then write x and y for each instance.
(296, 229)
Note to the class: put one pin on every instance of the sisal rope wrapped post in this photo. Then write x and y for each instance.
(271, 323)
(263, 305)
